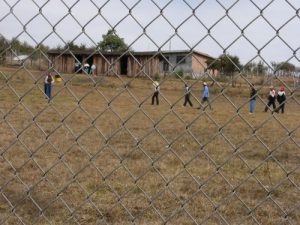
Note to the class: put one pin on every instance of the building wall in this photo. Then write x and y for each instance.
(199, 66)
(185, 66)
(134, 68)
(143, 66)
(69, 63)
(108, 66)
(198, 63)
(174, 65)
(100, 64)
(138, 65)
(63, 63)
(66, 63)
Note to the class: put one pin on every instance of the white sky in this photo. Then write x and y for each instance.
(192, 30)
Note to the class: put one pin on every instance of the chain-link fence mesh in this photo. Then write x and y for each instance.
(95, 149)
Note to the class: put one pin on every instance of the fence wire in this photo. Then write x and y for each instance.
(98, 152)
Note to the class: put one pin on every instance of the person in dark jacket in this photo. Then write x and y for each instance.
(252, 99)
(281, 99)
(271, 99)
(187, 93)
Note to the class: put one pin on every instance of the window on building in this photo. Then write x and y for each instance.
(180, 59)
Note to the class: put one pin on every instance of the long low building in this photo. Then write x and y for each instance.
(131, 63)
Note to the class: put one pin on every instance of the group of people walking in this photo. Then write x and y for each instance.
(280, 96)
(187, 94)
(272, 97)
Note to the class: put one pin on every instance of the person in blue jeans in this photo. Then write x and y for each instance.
(252, 99)
(48, 85)
(205, 96)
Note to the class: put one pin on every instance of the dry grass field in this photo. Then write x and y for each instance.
(100, 153)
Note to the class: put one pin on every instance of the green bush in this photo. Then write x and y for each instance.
(188, 77)
(157, 77)
(179, 74)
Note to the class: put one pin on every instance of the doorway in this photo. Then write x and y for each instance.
(90, 62)
(124, 65)
(78, 63)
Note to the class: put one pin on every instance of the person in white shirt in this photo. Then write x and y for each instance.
(156, 92)
(271, 99)
(187, 93)
(93, 69)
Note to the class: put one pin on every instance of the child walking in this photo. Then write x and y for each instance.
(281, 99)
(271, 99)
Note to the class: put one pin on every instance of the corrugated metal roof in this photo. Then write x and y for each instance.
(144, 53)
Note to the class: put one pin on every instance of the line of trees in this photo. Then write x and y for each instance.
(228, 65)
(111, 42)
(19, 47)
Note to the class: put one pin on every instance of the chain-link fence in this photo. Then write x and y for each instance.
(148, 119)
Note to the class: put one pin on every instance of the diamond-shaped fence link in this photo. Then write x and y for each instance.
(111, 142)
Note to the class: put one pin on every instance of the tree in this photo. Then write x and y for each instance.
(3, 43)
(40, 49)
(21, 47)
(82, 46)
(72, 46)
(212, 64)
(249, 67)
(226, 64)
(260, 68)
(111, 42)
(283, 68)
(43, 48)
(289, 67)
